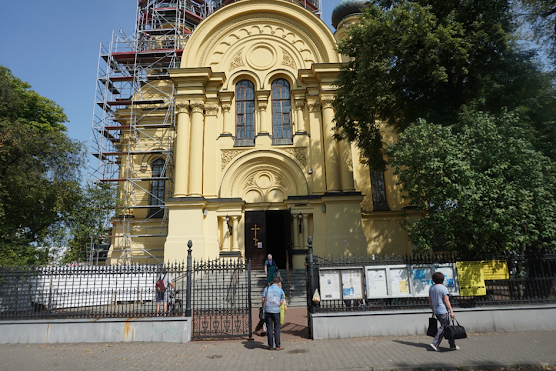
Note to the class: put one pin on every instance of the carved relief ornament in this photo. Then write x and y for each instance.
(300, 154)
(197, 106)
(327, 100)
(287, 59)
(182, 106)
(237, 60)
(314, 104)
(227, 155)
(211, 109)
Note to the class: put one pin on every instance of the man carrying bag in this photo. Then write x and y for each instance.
(442, 309)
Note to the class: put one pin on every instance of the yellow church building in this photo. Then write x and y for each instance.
(216, 123)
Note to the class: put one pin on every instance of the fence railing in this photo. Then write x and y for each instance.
(87, 291)
(532, 280)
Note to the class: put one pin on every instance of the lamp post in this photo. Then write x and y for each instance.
(300, 216)
(230, 229)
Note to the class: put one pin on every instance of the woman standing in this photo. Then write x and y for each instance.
(270, 269)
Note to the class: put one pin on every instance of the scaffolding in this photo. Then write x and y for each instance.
(132, 134)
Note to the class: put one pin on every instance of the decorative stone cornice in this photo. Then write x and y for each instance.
(197, 106)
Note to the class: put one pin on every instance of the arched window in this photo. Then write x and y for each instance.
(157, 189)
(378, 187)
(245, 109)
(281, 112)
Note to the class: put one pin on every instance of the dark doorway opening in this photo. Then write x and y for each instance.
(268, 232)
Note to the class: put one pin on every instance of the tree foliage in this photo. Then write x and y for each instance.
(541, 17)
(40, 189)
(427, 59)
(483, 187)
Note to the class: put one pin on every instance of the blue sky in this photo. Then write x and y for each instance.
(54, 45)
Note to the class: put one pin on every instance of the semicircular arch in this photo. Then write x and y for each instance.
(234, 33)
(267, 176)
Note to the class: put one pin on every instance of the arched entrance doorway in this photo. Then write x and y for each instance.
(268, 232)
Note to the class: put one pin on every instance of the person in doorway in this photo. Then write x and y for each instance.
(439, 300)
(163, 294)
(270, 269)
(273, 297)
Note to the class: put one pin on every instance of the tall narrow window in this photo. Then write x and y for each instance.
(245, 109)
(281, 112)
(378, 187)
(157, 189)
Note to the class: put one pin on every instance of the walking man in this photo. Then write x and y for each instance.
(440, 303)
(273, 297)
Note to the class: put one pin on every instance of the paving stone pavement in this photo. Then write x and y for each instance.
(478, 352)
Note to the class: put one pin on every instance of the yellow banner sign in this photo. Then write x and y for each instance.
(495, 270)
(471, 279)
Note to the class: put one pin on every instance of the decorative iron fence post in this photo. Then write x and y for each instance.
(311, 304)
(311, 275)
(249, 299)
(189, 277)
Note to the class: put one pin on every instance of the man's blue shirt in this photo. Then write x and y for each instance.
(273, 295)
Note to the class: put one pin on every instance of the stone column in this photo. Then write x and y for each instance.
(181, 164)
(224, 228)
(316, 153)
(196, 154)
(264, 124)
(228, 124)
(330, 145)
(211, 163)
(299, 104)
(295, 231)
(305, 234)
(235, 229)
(346, 167)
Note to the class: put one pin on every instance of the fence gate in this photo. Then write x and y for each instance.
(221, 299)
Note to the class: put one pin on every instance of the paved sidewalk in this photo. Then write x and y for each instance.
(478, 352)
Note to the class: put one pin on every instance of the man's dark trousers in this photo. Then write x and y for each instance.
(273, 329)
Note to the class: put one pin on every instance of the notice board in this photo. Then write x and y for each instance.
(352, 284)
(399, 281)
(330, 284)
(376, 282)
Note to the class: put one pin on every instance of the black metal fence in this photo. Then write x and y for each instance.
(532, 280)
(85, 291)
(216, 294)
(221, 299)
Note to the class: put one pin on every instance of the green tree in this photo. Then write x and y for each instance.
(423, 59)
(540, 15)
(483, 188)
(40, 189)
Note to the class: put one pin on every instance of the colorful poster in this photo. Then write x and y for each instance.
(495, 270)
(352, 284)
(422, 279)
(450, 277)
(330, 285)
(471, 279)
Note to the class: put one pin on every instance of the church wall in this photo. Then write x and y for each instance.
(216, 176)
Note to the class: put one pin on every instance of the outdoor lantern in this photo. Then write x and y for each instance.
(300, 220)
(228, 223)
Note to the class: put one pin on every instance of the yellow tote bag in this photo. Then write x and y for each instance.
(282, 313)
